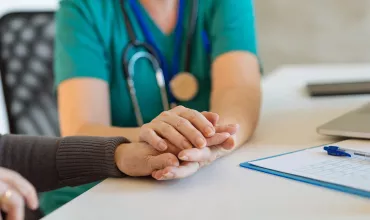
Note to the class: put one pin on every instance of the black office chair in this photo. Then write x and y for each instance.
(26, 66)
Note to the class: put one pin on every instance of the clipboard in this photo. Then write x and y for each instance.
(314, 179)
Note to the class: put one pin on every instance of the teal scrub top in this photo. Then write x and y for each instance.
(90, 37)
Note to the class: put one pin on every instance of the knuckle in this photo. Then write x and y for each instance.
(180, 108)
(165, 113)
(145, 126)
(145, 132)
(192, 114)
(181, 122)
(153, 122)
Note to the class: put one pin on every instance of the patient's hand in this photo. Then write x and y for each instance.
(141, 159)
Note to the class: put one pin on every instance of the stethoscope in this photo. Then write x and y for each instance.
(150, 53)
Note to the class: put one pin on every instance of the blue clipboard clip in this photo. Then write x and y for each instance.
(336, 151)
(343, 152)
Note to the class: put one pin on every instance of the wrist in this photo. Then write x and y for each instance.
(111, 167)
(118, 156)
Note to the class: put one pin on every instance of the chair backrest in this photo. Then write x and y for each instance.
(26, 66)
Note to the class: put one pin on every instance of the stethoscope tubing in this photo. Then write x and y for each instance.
(151, 55)
(159, 78)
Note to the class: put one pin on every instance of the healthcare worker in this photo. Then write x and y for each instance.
(120, 63)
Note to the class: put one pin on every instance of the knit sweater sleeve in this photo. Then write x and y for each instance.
(50, 163)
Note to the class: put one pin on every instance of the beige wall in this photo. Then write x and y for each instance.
(313, 31)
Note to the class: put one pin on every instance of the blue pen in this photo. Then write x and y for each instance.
(343, 152)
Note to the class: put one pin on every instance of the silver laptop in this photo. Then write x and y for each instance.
(354, 124)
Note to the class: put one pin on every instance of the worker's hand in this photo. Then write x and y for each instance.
(193, 159)
(183, 128)
(14, 192)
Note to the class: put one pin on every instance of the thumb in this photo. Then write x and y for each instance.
(162, 161)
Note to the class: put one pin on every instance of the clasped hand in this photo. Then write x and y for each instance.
(176, 144)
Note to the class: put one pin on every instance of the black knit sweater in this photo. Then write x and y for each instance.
(50, 163)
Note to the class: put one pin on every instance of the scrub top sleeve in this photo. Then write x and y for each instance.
(232, 27)
(79, 51)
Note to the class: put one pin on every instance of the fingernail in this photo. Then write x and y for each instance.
(185, 158)
(172, 162)
(226, 134)
(168, 175)
(200, 142)
(209, 131)
(186, 145)
(162, 146)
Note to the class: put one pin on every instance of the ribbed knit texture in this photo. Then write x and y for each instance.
(85, 159)
(32, 157)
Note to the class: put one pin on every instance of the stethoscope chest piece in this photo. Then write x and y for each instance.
(184, 86)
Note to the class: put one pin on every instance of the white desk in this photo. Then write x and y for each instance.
(226, 191)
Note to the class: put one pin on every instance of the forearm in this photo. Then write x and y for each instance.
(236, 94)
(90, 129)
(84, 110)
(50, 163)
(238, 105)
